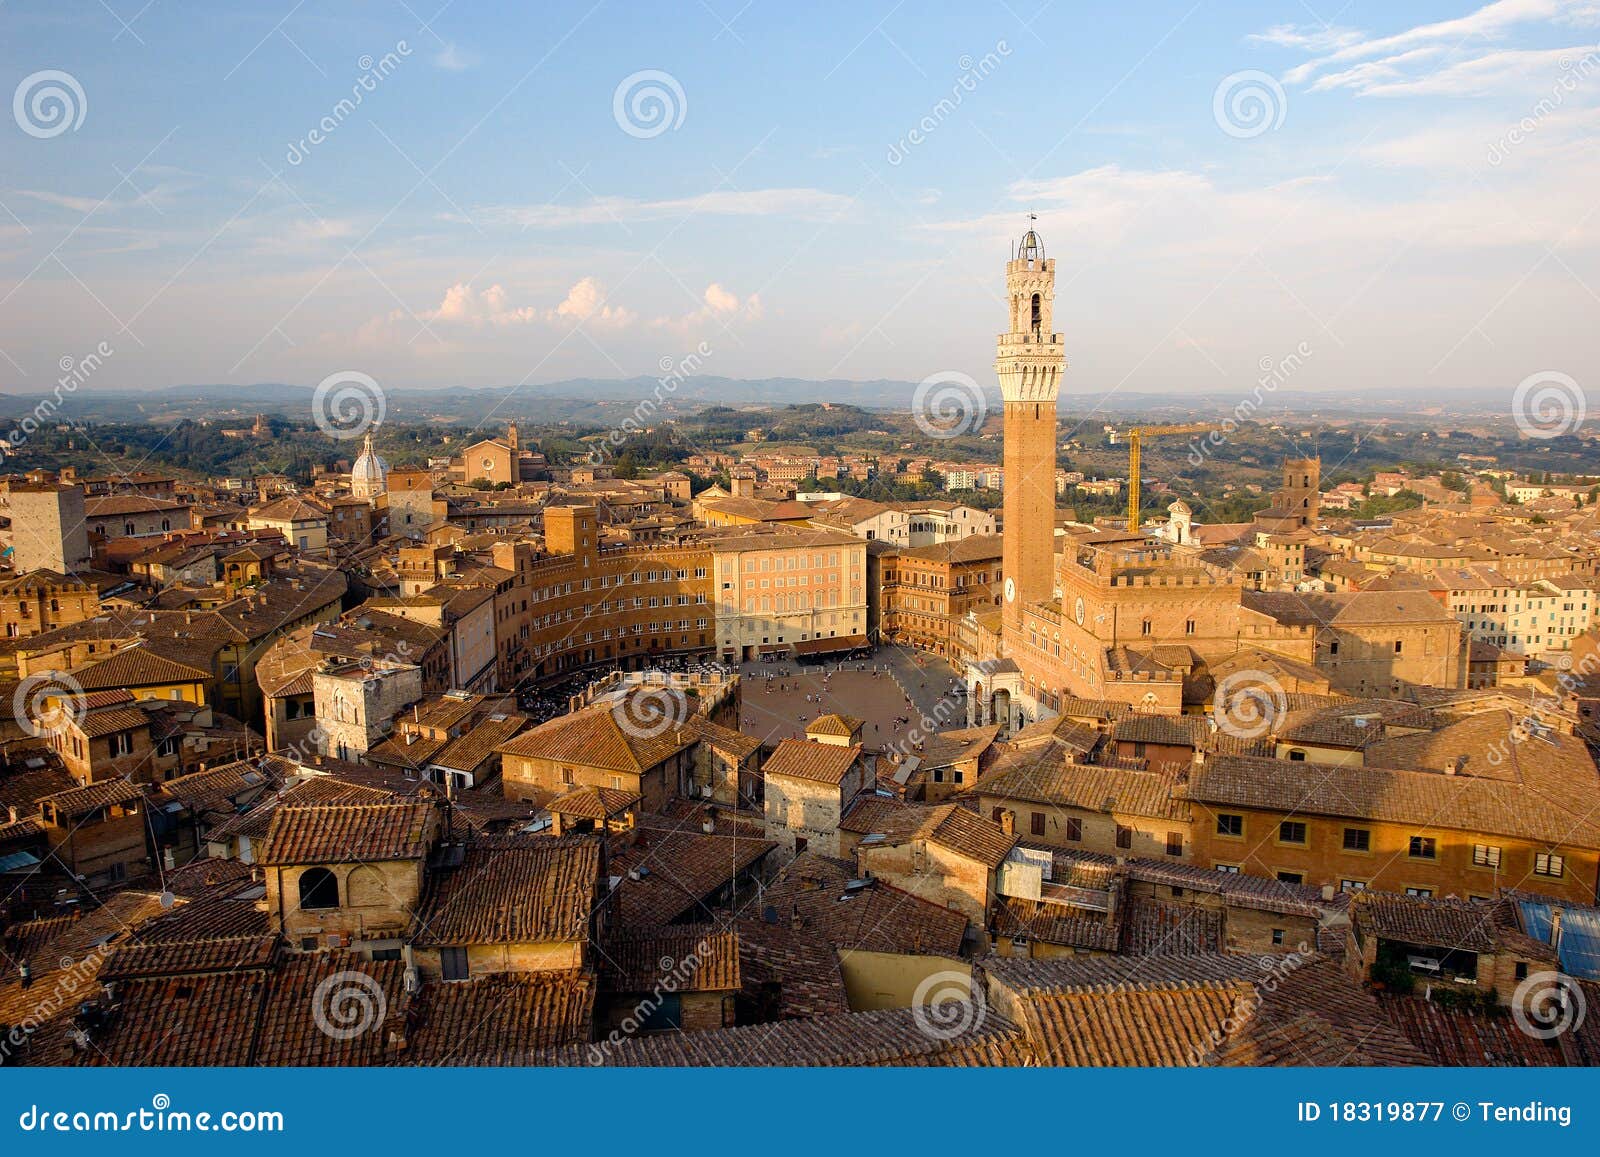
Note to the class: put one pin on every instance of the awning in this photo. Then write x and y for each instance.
(828, 646)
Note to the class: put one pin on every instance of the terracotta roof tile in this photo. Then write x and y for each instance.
(340, 833)
(513, 890)
(499, 1020)
(818, 762)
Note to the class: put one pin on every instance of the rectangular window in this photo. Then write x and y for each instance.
(1420, 893)
(1291, 878)
(1357, 840)
(453, 963)
(1291, 832)
(1424, 848)
(1485, 856)
(1174, 843)
(1124, 837)
(1074, 829)
(1038, 823)
(1549, 864)
(1277, 937)
(1228, 869)
(1230, 825)
(1352, 885)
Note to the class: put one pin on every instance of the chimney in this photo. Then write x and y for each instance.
(1555, 928)
(1008, 822)
(710, 825)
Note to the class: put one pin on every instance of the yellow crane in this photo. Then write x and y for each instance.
(1135, 434)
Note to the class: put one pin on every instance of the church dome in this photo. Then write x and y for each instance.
(370, 472)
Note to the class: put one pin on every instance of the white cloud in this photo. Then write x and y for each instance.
(453, 58)
(586, 302)
(1310, 38)
(805, 203)
(721, 306)
(1481, 75)
(1383, 65)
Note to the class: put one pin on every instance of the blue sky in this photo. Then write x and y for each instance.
(1417, 208)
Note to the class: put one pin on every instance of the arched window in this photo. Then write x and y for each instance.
(1037, 310)
(319, 888)
(365, 888)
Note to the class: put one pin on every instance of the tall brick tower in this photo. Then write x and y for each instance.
(1029, 360)
(1301, 493)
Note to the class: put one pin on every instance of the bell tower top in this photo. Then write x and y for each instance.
(1030, 355)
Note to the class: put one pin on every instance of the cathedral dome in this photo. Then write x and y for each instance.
(370, 472)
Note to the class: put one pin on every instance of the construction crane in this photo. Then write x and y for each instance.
(1135, 434)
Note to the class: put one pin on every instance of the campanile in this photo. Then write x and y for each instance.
(1029, 360)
